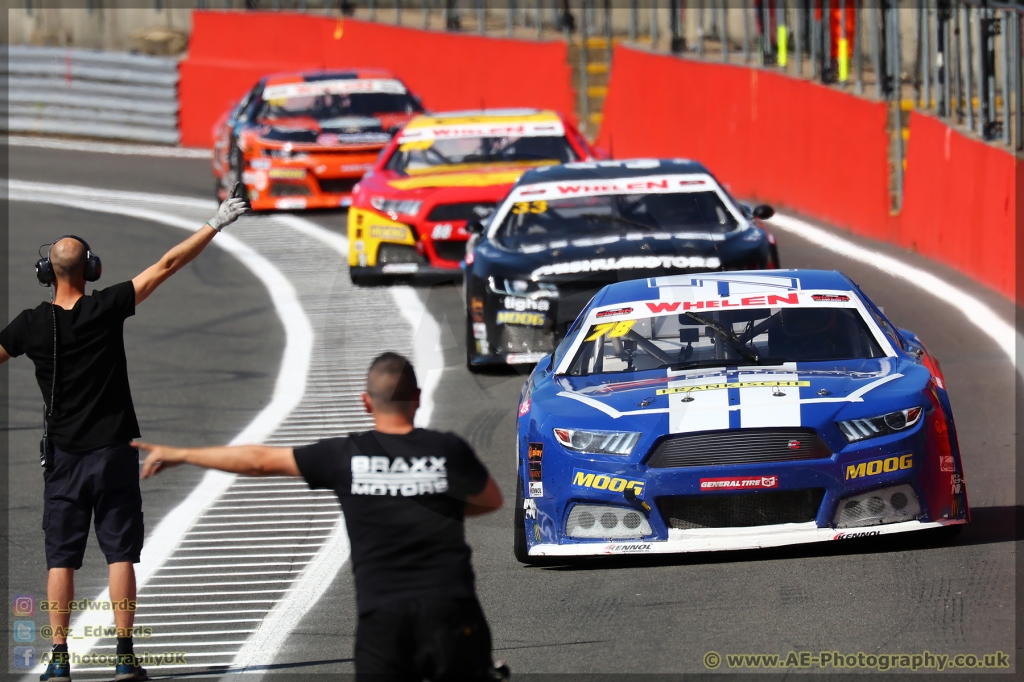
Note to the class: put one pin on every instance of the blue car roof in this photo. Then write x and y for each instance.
(610, 170)
(647, 289)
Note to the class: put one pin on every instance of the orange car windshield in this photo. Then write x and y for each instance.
(336, 106)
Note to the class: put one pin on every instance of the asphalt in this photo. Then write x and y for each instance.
(904, 594)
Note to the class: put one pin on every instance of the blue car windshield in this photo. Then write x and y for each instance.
(589, 217)
(754, 336)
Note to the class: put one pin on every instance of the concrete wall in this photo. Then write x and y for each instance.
(111, 25)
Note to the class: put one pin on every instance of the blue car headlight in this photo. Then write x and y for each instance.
(597, 442)
(882, 425)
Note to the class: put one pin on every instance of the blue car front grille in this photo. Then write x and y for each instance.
(743, 510)
(743, 446)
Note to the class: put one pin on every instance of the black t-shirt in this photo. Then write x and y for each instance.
(404, 511)
(93, 405)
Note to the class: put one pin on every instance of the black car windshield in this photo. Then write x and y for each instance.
(327, 106)
(756, 336)
(533, 222)
(440, 155)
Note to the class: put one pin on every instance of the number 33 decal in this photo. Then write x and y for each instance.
(521, 207)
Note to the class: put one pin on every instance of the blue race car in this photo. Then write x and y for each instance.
(732, 410)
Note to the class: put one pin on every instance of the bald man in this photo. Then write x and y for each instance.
(404, 492)
(90, 420)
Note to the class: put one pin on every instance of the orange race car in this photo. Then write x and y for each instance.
(303, 140)
(409, 213)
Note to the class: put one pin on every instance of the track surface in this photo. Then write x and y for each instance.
(906, 594)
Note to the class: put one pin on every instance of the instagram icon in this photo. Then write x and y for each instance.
(24, 605)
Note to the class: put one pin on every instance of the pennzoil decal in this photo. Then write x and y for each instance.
(730, 384)
(288, 173)
(391, 232)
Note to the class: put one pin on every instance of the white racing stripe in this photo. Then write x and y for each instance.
(977, 312)
(697, 411)
(767, 406)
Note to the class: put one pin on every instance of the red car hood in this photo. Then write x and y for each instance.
(490, 180)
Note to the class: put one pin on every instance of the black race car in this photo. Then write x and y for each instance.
(565, 231)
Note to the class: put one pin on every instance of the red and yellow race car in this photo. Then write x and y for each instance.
(304, 140)
(409, 212)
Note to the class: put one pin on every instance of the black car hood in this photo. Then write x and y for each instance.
(612, 254)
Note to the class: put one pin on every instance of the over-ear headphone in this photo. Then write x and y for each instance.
(93, 265)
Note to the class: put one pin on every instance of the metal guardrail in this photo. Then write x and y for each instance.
(96, 94)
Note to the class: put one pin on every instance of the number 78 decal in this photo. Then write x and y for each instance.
(613, 329)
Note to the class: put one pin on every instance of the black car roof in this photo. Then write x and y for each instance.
(610, 170)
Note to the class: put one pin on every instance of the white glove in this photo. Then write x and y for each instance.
(227, 213)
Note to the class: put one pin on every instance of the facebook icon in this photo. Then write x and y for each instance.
(24, 656)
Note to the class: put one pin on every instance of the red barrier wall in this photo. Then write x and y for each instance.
(822, 153)
(764, 135)
(959, 203)
(230, 51)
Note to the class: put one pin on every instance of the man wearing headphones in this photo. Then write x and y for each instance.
(77, 345)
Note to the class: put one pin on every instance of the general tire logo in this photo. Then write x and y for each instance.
(739, 483)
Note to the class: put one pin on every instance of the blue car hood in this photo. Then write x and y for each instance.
(813, 395)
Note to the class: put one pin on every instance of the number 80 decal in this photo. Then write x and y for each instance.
(613, 329)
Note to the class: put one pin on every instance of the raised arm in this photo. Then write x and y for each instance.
(4, 355)
(182, 254)
(251, 460)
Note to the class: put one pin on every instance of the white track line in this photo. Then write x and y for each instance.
(428, 358)
(976, 311)
(106, 147)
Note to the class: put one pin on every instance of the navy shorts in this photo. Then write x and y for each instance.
(444, 640)
(104, 481)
